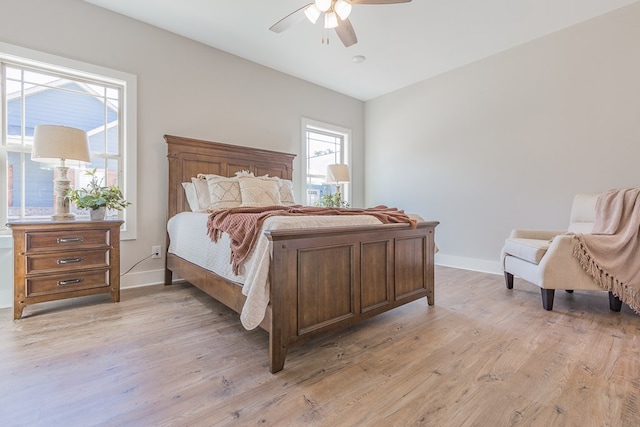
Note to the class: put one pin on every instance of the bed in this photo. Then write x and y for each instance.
(319, 279)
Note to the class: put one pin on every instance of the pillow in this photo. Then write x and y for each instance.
(286, 193)
(208, 175)
(190, 193)
(285, 188)
(244, 173)
(223, 192)
(202, 193)
(259, 192)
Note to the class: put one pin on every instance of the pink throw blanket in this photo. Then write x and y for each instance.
(243, 224)
(611, 253)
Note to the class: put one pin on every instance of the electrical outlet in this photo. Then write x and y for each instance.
(155, 251)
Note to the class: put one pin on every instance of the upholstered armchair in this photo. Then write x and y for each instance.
(545, 258)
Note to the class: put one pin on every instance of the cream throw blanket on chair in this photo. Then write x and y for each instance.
(611, 253)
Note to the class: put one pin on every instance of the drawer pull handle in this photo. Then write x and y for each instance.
(70, 260)
(69, 282)
(69, 239)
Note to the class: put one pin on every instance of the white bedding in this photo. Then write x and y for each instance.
(189, 240)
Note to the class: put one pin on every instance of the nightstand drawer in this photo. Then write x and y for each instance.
(66, 261)
(71, 281)
(41, 241)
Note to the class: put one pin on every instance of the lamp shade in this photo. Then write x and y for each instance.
(330, 20)
(338, 173)
(52, 143)
(342, 8)
(312, 13)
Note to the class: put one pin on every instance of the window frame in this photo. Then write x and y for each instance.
(45, 62)
(309, 124)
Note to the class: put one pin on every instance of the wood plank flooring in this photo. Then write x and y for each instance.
(172, 356)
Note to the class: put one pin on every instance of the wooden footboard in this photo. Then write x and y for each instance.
(327, 279)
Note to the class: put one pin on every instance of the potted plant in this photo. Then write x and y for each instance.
(334, 200)
(97, 197)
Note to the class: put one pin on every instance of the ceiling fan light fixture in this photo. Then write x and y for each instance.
(323, 5)
(342, 8)
(312, 13)
(330, 20)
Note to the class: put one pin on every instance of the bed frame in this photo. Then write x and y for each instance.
(320, 279)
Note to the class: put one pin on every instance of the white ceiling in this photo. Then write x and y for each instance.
(403, 43)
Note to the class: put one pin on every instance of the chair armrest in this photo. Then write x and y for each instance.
(559, 269)
(535, 234)
(562, 246)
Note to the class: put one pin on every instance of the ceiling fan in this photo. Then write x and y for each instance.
(336, 15)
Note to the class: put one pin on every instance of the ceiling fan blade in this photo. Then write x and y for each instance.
(290, 20)
(346, 33)
(378, 1)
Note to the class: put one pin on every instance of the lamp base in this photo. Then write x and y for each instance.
(61, 185)
(63, 217)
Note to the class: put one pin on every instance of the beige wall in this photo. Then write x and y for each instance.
(505, 142)
(184, 88)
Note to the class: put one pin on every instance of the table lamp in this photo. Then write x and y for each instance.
(336, 174)
(70, 147)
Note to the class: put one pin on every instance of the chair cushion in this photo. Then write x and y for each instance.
(531, 250)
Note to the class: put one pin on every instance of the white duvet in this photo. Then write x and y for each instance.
(189, 240)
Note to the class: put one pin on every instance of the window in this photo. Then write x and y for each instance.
(324, 144)
(36, 92)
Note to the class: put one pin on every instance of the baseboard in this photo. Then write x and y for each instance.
(142, 278)
(474, 264)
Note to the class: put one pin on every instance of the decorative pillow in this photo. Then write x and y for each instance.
(208, 175)
(223, 192)
(286, 193)
(285, 188)
(192, 198)
(269, 178)
(202, 193)
(244, 173)
(259, 192)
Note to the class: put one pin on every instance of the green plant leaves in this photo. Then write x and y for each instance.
(96, 195)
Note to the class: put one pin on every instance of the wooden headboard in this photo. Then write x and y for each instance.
(189, 157)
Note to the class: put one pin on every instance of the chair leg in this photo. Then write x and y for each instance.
(547, 298)
(615, 303)
(508, 279)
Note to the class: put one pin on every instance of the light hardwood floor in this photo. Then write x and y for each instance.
(172, 356)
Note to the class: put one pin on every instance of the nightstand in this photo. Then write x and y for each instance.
(55, 260)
